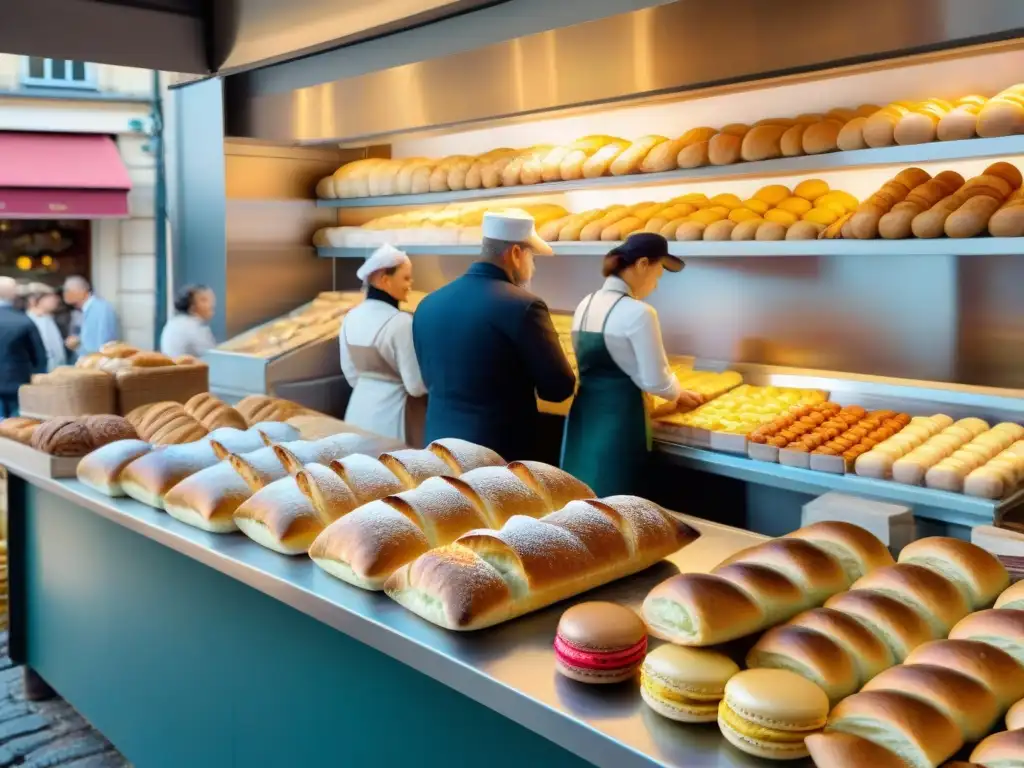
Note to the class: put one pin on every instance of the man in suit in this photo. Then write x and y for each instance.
(487, 347)
(21, 349)
(99, 321)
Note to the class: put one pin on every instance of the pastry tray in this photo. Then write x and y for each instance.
(697, 437)
(17, 455)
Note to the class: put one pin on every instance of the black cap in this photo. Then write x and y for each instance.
(650, 245)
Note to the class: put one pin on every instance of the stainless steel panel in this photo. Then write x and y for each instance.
(685, 45)
(991, 321)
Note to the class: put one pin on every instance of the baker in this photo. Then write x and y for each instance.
(377, 353)
(621, 362)
(488, 347)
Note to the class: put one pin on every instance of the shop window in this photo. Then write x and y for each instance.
(57, 73)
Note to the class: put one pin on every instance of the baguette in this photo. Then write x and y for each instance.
(818, 561)
(487, 577)
(581, 149)
(287, 515)
(897, 222)
(629, 160)
(101, 469)
(1008, 221)
(512, 172)
(600, 162)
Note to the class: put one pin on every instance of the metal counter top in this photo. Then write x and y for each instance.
(509, 668)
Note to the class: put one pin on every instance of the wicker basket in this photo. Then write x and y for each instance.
(141, 386)
(68, 396)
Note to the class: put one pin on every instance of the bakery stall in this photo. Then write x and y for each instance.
(264, 659)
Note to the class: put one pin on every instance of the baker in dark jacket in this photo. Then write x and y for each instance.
(21, 349)
(487, 347)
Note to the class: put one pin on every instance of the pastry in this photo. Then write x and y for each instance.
(101, 469)
(685, 684)
(769, 712)
(599, 643)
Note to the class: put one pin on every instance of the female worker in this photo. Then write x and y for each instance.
(377, 354)
(621, 360)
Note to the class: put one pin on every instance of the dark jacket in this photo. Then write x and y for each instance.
(21, 350)
(487, 349)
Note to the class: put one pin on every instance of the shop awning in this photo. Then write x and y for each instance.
(61, 176)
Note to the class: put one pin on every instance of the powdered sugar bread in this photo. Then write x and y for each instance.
(208, 499)
(554, 485)
(413, 466)
(368, 478)
(263, 466)
(499, 495)
(487, 577)
(322, 451)
(463, 456)
(228, 440)
(101, 469)
(150, 477)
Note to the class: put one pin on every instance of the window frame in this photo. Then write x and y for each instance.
(47, 81)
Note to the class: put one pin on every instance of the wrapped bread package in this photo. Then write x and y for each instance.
(487, 577)
(818, 561)
(366, 546)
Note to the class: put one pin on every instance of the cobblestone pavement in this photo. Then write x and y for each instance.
(46, 734)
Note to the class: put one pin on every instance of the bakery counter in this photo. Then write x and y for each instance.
(188, 648)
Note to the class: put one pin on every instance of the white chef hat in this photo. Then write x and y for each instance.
(514, 225)
(385, 257)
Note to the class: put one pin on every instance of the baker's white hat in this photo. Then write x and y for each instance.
(385, 257)
(514, 225)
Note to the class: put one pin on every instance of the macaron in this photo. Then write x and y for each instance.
(769, 712)
(600, 642)
(685, 684)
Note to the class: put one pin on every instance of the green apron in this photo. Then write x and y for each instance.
(607, 437)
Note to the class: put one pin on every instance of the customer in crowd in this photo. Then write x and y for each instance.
(487, 347)
(43, 302)
(377, 353)
(21, 349)
(622, 363)
(188, 332)
(99, 321)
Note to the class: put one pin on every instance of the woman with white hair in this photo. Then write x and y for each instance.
(377, 353)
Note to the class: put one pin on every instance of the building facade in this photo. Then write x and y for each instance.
(44, 100)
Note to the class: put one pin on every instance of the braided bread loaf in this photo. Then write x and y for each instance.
(366, 546)
(884, 616)
(763, 585)
(288, 514)
(486, 577)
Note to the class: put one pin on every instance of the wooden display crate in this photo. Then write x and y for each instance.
(13, 453)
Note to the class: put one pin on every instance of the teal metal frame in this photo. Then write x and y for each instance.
(180, 665)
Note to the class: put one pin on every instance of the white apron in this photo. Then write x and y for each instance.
(380, 402)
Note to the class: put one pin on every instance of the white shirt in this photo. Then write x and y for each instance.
(52, 340)
(378, 324)
(632, 335)
(186, 334)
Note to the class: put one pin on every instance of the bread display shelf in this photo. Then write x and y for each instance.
(940, 246)
(17, 456)
(862, 158)
(956, 508)
(508, 669)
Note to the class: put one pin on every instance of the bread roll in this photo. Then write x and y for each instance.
(978, 574)
(297, 454)
(1012, 596)
(569, 164)
(719, 230)
(851, 135)
(263, 466)
(961, 698)
(629, 160)
(897, 223)
(778, 597)
(762, 142)
(1008, 221)
(150, 477)
(770, 231)
(555, 486)
(870, 655)
(177, 430)
(101, 469)
(915, 731)
(971, 218)
(352, 179)
(934, 598)
(1002, 628)
(150, 360)
(879, 129)
(106, 428)
(1003, 115)
(19, 428)
(600, 162)
(725, 148)
(993, 668)
(844, 750)
(822, 137)
(381, 179)
(257, 408)
(462, 456)
(817, 573)
(1003, 749)
(898, 626)
(792, 142)
(207, 499)
(413, 466)
(811, 655)
(213, 413)
(695, 155)
(287, 515)
(487, 577)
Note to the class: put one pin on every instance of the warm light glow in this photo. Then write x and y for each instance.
(47, 261)
(24, 263)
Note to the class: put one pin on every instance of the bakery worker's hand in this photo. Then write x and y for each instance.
(687, 401)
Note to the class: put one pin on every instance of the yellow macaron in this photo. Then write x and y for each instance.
(685, 684)
(769, 712)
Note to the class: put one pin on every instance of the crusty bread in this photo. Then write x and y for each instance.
(106, 428)
(487, 577)
(150, 477)
(256, 408)
(213, 413)
(978, 573)
(62, 437)
(413, 465)
(101, 469)
(463, 456)
(288, 514)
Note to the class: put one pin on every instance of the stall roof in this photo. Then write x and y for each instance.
(61, 176)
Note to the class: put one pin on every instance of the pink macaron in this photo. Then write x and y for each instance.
(600, 643)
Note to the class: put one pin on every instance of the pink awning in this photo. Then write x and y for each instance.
(61, 176)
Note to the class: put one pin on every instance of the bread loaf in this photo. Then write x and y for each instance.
(106, 428)
(207, 499)
(256, 408)
(1008, 221)
(263, 466)
(366, 546)
(933, 597)
(297, 454)
(101, 469)
(213, 413)
(1003, 115)
(462, 456)
(487, 577)
(351, 180)
(999, 627)
(762, 142)
(921, 125)
(150, 477)
(288, 514)
(844, 750)
(978, 574)
(865, 221)
(404, 179)
(597, 165)
(629, 160)
(897, 223)
(726, 148)
(1005, 748)
(822, 136)
(982, 662)
(62, 437)
(19, 429)
(690, 609)
(150, 360)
